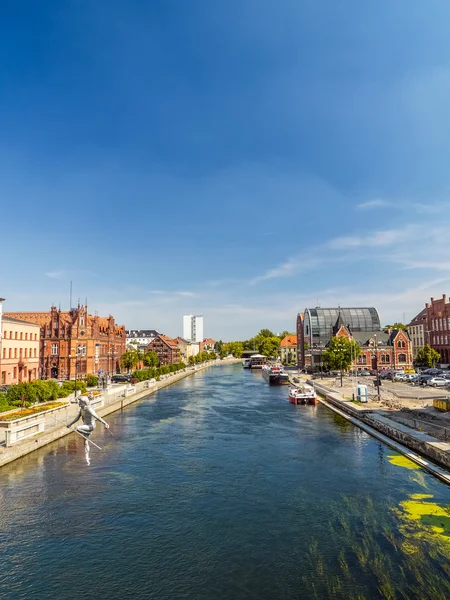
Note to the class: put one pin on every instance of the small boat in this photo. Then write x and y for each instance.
(275, 375)
(247, 363)
(302, 394)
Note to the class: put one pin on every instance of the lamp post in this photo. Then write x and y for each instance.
(377, 381)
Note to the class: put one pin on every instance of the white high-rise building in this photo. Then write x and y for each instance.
(193, 328)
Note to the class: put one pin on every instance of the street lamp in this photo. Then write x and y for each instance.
(377, 381)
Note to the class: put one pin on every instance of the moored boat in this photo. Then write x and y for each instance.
(302, 394)
(275, 375)
(247, 363)
(257, 361)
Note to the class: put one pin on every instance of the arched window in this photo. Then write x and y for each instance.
(362, 360)
(402, 358)
(385, 359)
(401, 344)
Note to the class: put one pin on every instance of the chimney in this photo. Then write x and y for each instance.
(444, 298)
(432, 300)
(427, 305)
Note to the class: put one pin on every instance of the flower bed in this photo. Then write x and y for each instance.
(28, 412)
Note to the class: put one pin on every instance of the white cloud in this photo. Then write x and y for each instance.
(370, 204)
(54, 274)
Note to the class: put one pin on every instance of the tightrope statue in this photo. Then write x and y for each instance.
(88, 416)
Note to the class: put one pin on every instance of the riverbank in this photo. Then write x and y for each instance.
(415, 445)
(113, 399)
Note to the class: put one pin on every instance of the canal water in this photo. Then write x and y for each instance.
(218, 488)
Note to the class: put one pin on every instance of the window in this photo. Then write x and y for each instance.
(15, 352)
(402, 358)
(26, 336)
(15, 372)
(20, 353)
(15, 336)
(385, 358)
(21, 335)
(26, 353)
(10, 353)
(4, 352)
(401, 344)
(54, 349)
(35, 336)
(35, 353)
(81, 321)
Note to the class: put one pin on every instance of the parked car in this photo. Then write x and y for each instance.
(363, 373)
(399, 377)
(120, 378)
(437, 382)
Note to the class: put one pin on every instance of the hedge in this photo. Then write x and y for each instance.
(155, 372)
(37, 391)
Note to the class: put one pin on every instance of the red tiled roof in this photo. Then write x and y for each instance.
(289, 341)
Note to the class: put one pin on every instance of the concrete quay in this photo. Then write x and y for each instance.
(115, 398)
(419, 447)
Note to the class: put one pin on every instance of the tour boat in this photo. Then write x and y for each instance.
(302, 394)
(247, 363)
(275, 375)
(257, 361)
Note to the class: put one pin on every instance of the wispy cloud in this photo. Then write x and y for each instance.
(54, 274)
(371, 204)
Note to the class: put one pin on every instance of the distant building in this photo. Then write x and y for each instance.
(207, 345)
(437, 330)
(193, 328)
(187, 348)
(141, 337)
(288, 350)
(418, 331)
(20, 344)
(166, 348)
(75, 343)
(316, 327)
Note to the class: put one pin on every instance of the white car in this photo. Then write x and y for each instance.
(437, 381)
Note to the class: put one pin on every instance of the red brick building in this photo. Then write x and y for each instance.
(166, 348)
(437, 332)
(379, 349)
(76, 343)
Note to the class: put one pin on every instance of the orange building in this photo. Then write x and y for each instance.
(19, 358)
(75, 343)
(288, 350)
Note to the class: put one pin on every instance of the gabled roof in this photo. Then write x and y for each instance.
(289, 341)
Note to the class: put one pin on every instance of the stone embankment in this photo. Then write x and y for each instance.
(113, 399)
(398, 436)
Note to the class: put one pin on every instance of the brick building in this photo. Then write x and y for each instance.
(75, 342)
(380, 349)
(438, 327)
(166, 348)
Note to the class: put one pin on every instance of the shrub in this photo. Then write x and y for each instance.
(92, 381)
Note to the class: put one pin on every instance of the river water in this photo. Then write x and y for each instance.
(218, 488)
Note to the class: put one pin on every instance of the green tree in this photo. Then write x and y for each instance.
(427, 357)
(402, 326)
(340, 354)
(130, 359)
(150, 359)
(270, 346)
(265, 333)
(284, 333)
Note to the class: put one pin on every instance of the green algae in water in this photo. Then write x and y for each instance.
(401, 461)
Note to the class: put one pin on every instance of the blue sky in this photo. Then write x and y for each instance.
(240, 159)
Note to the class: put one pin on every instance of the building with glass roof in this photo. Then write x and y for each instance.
(316, 327)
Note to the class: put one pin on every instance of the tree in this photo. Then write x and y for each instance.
(285, 333)
(265, 333)
(340, 354)
(150, 359)
(270, 346)
(427, 357)
(401, 326)
(130, 359)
